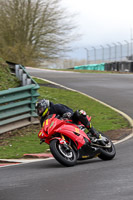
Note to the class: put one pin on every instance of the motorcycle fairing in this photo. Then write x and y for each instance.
(54, 125)
(74, 133)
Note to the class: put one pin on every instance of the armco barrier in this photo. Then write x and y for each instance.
(123, 66)
(17, 105)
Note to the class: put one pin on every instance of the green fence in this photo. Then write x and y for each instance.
(96, 67)
(17, 105)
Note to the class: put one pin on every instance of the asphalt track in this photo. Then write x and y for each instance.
(113, 89)
(90, 179)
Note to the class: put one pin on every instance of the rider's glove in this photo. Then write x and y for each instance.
(67, 115)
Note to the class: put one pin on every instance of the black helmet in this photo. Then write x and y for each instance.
(42, 107)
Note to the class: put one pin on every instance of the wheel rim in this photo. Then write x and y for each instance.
(65, 151)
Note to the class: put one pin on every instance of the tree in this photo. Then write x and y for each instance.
(33, 30)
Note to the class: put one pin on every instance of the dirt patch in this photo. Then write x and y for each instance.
(118, 134)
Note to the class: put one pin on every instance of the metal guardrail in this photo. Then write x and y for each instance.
(17, 105)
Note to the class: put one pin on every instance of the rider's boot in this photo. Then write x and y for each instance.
(97, 135)
(94, 132)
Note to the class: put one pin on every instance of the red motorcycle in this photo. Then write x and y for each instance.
(68, 142)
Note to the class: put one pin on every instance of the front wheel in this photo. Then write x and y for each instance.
(107, 153)
(63, 153)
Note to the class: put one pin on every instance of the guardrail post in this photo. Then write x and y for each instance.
(17, 71)
(24, 79)
(28, 81)
(20, 74)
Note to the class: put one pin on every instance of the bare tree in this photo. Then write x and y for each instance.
(33, 30)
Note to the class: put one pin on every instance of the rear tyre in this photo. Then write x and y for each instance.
(108, 153)
(63, 153)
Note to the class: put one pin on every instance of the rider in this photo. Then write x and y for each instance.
(45, 107)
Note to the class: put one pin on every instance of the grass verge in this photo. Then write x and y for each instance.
(25, 140)
(7, 80)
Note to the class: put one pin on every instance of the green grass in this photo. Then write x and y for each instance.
(26, 139)
(24, 142)
(7, 80)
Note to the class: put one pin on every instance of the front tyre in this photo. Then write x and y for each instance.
(107, 153)
(63, 153)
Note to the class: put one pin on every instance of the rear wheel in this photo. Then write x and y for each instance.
(63, 153)
(109, 152)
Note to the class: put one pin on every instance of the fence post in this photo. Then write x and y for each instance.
(17, 70)
(24, 79)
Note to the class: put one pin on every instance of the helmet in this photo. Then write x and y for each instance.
(42, 107)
